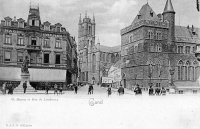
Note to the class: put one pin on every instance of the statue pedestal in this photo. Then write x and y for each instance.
(25, 77)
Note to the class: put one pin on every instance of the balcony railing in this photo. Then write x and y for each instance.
(33, 47)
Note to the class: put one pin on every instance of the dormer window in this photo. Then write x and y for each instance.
(8, 23)
(139, 16)
(21, 24)
(151, 14)
(47, 28)
(58, 29)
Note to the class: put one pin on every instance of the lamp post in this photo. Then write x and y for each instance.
(197, 55)
(150, 73)
(171, 72)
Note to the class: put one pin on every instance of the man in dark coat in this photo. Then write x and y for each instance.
(109, 91)
(151, 90)
(47, 87)
(75, 89)
(25, 86)
(138, 90)
(121, 90)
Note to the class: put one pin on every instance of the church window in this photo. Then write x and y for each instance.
(187, 71)
(180, 70)
(7, 56)
(150, 34)
(180, 49)
(187, 49)
(46, 58)
(19, 56)
(93, 63)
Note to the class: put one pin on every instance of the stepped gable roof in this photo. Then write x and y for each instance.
(168, 7)
(146, 13)
(187, 33)
(110, 49)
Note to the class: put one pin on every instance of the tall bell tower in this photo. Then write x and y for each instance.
(86, 43)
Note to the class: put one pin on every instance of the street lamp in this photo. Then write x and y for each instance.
(171, 72)
(150, 73)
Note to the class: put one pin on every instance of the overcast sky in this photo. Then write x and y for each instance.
(111, 15)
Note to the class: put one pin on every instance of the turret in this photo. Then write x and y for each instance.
(34, 16)
(169, 16)
(93, 26)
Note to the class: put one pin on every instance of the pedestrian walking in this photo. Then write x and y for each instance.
(75, 89)
(109, 91)
(47, 88)
(121, 90)
(151, 91)
(91, 89)
(138, 90)
(25, 86)
(55, 89)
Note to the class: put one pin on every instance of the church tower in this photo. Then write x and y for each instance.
(86, 43)
(169, 16)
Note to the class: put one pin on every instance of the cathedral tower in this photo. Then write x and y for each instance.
(86, 43)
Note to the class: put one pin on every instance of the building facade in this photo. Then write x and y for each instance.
(157, 52)
(94, 59)
(50, 48)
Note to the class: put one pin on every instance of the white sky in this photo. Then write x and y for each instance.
(111, 15)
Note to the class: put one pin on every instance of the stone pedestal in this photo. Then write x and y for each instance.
(25, 77)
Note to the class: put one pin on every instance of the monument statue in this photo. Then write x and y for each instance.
(24, 68)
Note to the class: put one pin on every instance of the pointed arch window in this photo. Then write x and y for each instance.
(180, 70)
(93, 63)
(187, 71)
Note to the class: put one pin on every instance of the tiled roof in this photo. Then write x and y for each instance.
(186, 34)
(110, 49)
(145, 14)
(168, 7)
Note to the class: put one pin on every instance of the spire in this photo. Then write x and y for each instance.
(85, 14)
(93, 18)
(169, 7)
(80, 18)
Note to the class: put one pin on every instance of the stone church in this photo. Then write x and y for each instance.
(157, 52)
(94, 59)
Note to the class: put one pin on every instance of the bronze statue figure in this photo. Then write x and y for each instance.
(24, 68)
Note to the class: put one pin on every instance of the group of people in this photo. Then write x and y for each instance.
(7, 88)
(157, 91)
(90, 89)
